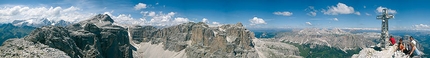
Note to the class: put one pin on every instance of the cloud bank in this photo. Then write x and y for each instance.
(256, 21)
(71, 14)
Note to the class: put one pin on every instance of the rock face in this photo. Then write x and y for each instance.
(97, 37)
(275, 49)
(388, 53)
(19, 48)
(200, 40)
(140, 33)
(333, 38)
(92, 38)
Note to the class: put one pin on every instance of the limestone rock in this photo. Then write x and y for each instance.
(275, 49)
(55, 37)
(139, 33)
(332, 38)
(200, 40)
(20, 48)
(389, 52)
(92, 38)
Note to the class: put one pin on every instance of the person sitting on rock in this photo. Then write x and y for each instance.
(413, 49)
(393, 41)
(401, 47)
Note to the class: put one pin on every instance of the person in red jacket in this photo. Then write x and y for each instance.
(393, 41)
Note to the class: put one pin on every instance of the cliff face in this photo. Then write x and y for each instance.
(97, 37)
(92, 38)
(200, 40)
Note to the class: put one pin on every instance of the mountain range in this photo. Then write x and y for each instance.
(99, 37)
(39, 22)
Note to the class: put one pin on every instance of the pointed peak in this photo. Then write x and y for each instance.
(103, 17)
(239, 24)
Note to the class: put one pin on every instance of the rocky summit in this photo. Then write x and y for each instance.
(92, 38)
(194, 40)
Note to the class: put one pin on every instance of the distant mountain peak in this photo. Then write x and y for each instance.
(38, 22)
(100, 20)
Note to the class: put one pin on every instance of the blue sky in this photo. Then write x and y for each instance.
(252, 13)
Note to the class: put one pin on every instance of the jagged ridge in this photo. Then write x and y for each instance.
(200, 40)
(95, 37)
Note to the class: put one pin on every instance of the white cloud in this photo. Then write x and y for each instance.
(309, 23)
(71, 14)
(357, 13)
(312, 12)
(285, 13)
(140, 6)
(421, 26)
(367, 14)
(126, 19)
(181, 20)
(215, 23)
(380, 8)
(155, 19)
(151, 13)
(335, 19)
(340, 8)
(160, 17)
(256, 21)
(163, 19)
(205, 20)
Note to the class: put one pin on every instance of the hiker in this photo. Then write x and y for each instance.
(393, 41)
(401, 47)
(413, 49)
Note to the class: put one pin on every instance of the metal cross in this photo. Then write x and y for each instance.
(384, 29)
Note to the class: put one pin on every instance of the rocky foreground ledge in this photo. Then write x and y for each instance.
(389, 52)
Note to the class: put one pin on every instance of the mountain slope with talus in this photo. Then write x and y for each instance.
(195, 40)
(95, 37)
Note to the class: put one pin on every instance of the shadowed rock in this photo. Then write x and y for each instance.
(92, 38)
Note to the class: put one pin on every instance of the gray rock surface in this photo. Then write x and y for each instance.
(92, 38)
(333, 38)
(139, 33)
(200, 40)
(268, 48)
(20, 48)
(390, 52)
(55, 37)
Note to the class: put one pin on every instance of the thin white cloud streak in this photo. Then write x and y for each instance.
(309, 23)
(285, 13)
